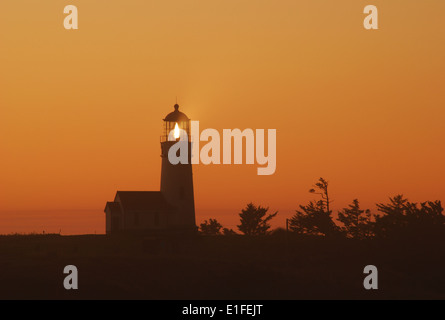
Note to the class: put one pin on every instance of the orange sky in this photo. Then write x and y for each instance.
(81, 111)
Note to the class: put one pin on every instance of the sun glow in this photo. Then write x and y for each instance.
(176, 131)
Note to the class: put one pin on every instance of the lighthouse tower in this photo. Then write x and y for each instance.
(177, 179)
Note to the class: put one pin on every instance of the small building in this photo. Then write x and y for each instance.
(172, 209)
(139, 210)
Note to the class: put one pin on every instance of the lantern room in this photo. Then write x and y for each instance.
(175, 121)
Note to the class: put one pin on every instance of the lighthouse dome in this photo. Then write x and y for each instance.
(176, 116)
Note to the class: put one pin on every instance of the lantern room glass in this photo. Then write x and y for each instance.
(170, 126)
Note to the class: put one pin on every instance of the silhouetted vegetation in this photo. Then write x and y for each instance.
(356, 222)
(211, 227)
(316, 217)
(229, 232)
(398, 218)
(254, 221)
(401, 217)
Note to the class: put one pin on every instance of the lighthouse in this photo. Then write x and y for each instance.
(177, 179)
(168, 211)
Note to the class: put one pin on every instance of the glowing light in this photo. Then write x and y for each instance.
(176, 131)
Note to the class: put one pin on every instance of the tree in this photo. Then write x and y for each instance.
(254, 220)
(315, 218)
(357, 223)
(212, 227)
(392, 219)
(322, 186)
(228, 232)
(401, 217)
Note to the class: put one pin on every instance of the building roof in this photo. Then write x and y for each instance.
(176, 116)
(142, 200)
(114, 207)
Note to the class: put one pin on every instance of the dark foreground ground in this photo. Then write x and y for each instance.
(273, 267)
